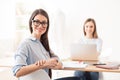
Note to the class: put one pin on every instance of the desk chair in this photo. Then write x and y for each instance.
(69, 78)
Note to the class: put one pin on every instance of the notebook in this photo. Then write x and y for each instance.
(111, 65)
(86, 52)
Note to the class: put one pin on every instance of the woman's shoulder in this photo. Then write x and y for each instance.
(28, 39)
(24, 41)
(99, 40)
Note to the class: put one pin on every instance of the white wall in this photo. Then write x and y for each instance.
(75, 12)
(7, 27)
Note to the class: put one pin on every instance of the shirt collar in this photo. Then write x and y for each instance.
(33, 38)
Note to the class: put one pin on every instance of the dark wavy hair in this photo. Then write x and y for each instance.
(44, 37)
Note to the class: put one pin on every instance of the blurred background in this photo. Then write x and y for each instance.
(66, 23)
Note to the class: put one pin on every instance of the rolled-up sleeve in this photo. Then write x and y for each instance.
(20, 57)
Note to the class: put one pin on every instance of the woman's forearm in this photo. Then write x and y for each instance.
(27, 69)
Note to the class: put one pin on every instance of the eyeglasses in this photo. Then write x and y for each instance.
(38, 23)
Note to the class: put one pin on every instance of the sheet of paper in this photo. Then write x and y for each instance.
(74, 64)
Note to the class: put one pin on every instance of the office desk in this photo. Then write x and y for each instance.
(92, 68)
(8, 62)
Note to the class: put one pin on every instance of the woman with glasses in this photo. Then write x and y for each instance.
(34, 53)
(90, 37)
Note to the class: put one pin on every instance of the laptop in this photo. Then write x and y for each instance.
(84, 52)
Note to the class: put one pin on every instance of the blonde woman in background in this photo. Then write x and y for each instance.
(90, 37)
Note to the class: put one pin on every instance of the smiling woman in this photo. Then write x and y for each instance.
(34, 57)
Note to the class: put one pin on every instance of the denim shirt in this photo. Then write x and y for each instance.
(29, 51)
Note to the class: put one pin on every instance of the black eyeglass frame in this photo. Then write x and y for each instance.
(38, 23)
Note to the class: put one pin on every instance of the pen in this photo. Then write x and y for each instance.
(100, 64)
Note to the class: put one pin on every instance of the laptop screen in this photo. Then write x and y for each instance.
(83, 52)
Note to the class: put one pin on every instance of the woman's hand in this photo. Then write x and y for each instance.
(55, 64)
(58, 66)
(51, 63)
(40, 63)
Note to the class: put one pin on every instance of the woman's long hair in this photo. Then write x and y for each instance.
(44, 37)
